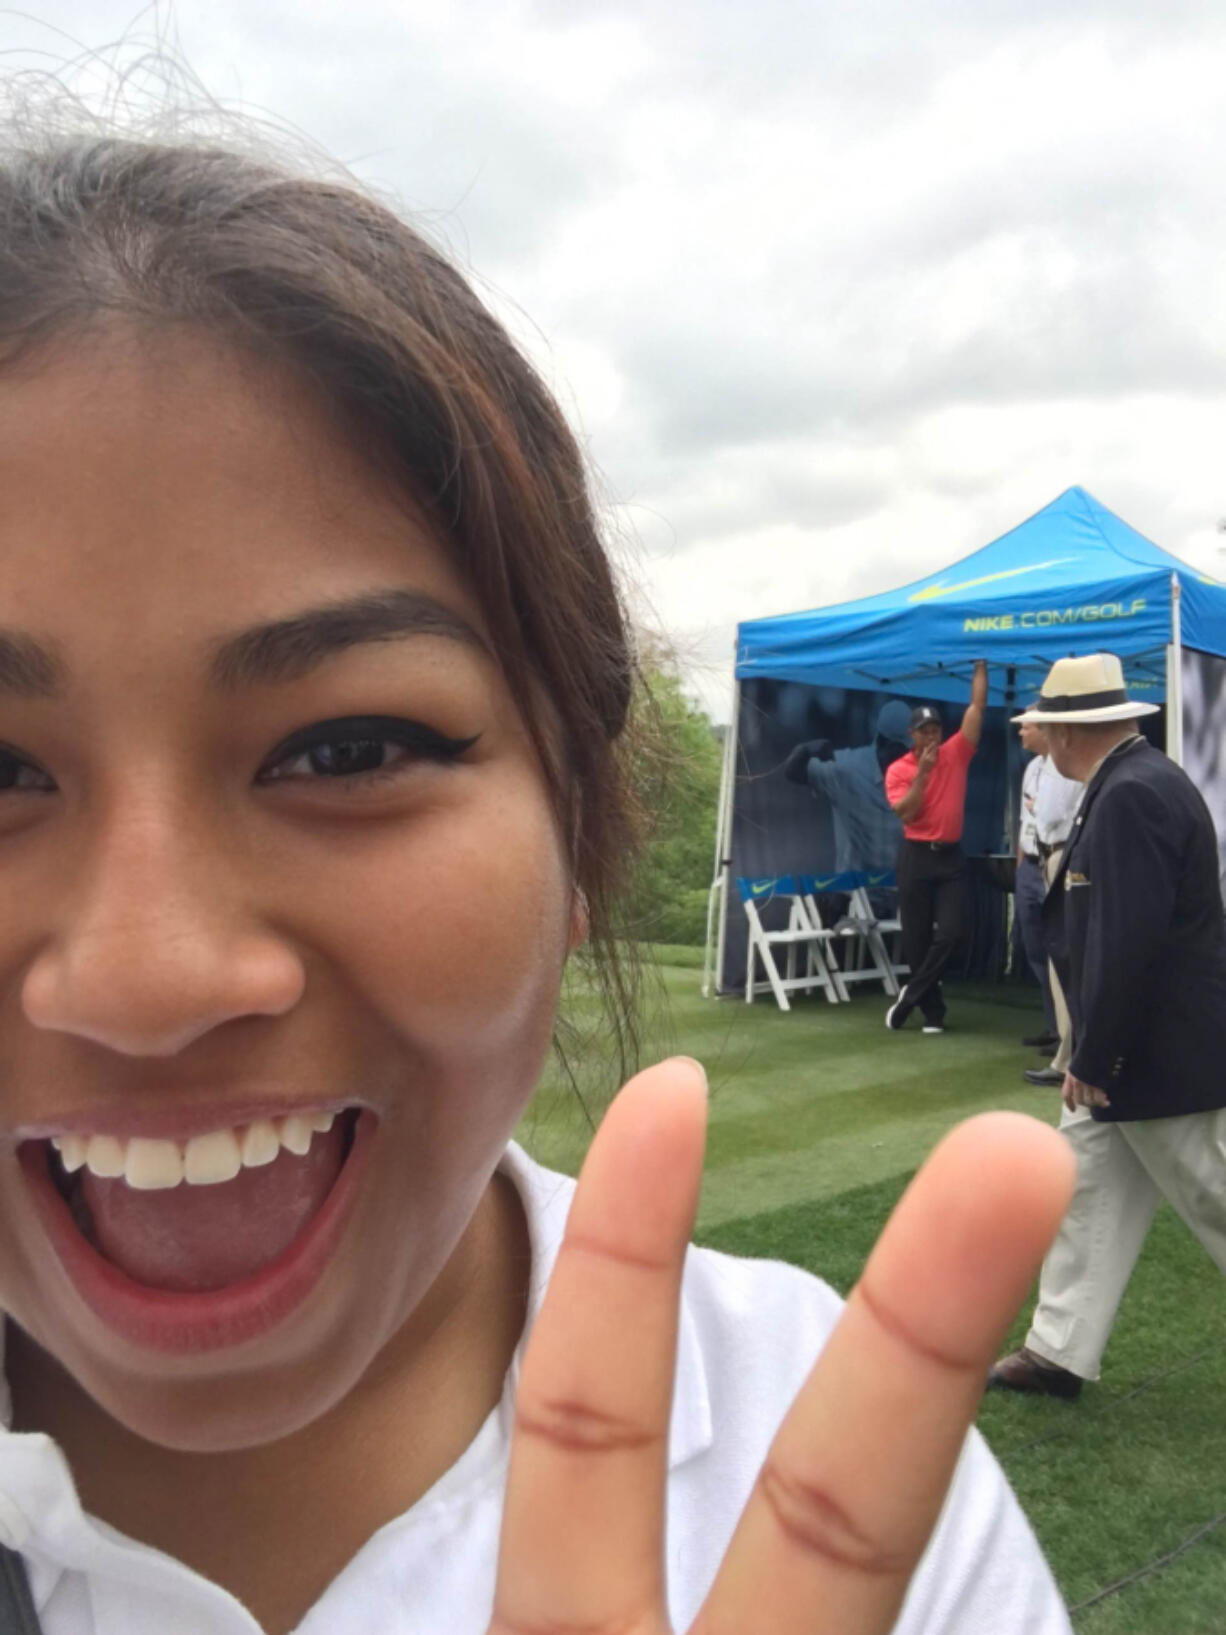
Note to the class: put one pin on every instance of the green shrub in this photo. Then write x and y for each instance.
(678, 785)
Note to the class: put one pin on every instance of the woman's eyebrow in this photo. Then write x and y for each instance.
(29, 668)
(287, 649)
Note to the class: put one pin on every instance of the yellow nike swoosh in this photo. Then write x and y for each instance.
(931, 592)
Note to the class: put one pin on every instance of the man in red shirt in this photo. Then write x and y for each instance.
(927, 788)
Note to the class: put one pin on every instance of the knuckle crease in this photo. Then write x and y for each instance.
(578, 1427)
(813, 1519)
(609, 1251)
(885, 1319)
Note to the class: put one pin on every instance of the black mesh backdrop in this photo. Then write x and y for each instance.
(782, 828)
(1204, 735)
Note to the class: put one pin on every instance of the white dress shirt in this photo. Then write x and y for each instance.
(1027, 833)
(1056, 799)
(749, 1333)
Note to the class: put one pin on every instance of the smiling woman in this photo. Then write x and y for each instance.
(313, 689)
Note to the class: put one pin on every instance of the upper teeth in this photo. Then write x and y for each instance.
(205, 1160)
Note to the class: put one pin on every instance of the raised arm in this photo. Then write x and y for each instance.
(972, 720)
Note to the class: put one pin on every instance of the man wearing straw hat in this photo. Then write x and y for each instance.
(1134, 920)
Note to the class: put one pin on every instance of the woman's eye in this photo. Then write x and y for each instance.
(343, 758)
(357, 748)
(19, 776)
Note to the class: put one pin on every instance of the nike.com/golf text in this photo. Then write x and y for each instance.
(1040, 618)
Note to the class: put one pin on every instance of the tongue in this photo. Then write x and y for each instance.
(192, 1239)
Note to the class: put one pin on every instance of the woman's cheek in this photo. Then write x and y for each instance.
(467, 925)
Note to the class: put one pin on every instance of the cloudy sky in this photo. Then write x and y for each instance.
(835, 292)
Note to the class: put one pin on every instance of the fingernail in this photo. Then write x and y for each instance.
(697, 1066)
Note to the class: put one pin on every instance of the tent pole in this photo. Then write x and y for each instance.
(1013, 803)
(1012, 797)
(717, 898)
(1174, 678)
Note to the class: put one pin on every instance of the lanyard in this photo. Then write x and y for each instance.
(17, 1614)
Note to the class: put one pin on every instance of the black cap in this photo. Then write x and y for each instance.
(923, 715)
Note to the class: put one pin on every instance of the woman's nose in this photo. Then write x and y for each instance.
(158, 949)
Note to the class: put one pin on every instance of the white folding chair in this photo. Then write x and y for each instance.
(888, 927)
(799, 935)
(861, 954)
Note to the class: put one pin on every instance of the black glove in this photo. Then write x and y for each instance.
(796, 767)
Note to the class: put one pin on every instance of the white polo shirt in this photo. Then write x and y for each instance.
(1056, 799)
(1027, 833)
(749, 1333)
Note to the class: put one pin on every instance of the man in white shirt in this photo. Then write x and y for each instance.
(1029, 887)
(1054, 803)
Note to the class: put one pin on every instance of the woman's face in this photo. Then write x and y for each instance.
(273, 843)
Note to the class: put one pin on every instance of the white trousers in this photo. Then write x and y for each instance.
(1123, 1173)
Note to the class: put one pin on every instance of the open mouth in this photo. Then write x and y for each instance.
(186, 1245)
(203, 1214)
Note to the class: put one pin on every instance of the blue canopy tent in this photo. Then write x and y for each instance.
(1073, 578)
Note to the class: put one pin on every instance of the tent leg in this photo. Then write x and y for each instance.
(1174, 678)
(717, 900)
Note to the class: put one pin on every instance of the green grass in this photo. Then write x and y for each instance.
(818, 1119)
(677, 955)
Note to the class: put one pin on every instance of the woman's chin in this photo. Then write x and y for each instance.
(223, 1418)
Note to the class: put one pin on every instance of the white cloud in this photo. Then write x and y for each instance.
(834, 293)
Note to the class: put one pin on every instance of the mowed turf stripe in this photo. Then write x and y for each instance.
(810, 1170)
(867, 1110)
(799, 1108)
(820, 1098)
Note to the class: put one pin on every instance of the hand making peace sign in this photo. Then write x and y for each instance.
(836, 1522)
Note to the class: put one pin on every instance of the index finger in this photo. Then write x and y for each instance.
(582, 1544)
(856, 1477)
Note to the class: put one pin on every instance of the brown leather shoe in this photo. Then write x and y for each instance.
(1023, 1371)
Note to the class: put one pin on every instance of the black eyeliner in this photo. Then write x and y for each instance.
(413, 735)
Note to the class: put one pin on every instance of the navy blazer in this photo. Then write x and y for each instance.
(1135, 925)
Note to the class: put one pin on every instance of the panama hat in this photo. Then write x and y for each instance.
(1085, 690)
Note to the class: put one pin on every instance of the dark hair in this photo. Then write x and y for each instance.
(317, 273)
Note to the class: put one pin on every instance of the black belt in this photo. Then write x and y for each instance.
(935, 845)
(1049, 851)
(1032, 857)
(17, 1614)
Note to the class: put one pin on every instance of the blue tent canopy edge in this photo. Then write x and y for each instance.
(1072, 578)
